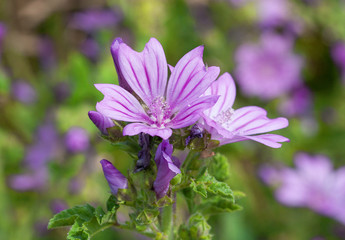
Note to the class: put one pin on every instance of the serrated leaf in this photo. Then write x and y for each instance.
(68, 217)
(219, 167)
(216, 205)
(197, 228)
(208, 184)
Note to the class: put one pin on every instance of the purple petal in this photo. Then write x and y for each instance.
(226, 89)
(146, 72)
(102, 122)
(253, 120)
(189, 79)
(118, 104)
(115, 178)
(271, 140)
(192, 112)
(167, 170)
(114, 49)
(136, 128)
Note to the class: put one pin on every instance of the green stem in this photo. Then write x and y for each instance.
(167, 222)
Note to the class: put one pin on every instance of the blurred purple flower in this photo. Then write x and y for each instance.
(24, 92)
(77, 140)
(167, 168)
(314, 184)
(102, 122)
(269, 175)
(58, 205)
(47, 54)
(75, 185)
(298, 103)
(115, 178)
(272, 13)
(35, 180)
(166, 105)
(90, 48)
(44, 148)
(248, 123)
(2, 34)
(338, 54)
(93, 20)
(269, 69)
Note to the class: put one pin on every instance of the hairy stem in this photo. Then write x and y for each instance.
(167, 221)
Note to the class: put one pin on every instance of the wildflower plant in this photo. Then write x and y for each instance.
(158, 120)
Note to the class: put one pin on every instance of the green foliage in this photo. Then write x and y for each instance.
(85, 220)
(219, 167)
(206, 183)
(196, 228)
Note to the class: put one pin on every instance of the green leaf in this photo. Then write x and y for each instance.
(196, 228)
(206, 183)
(85, 220)
(69, 216)
(219, 167)
(216, 205)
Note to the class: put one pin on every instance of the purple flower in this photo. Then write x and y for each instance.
(24, 92)
(77, 140)
(338, 54)
(115, 178)
(35, 180)
(47, 54)
(298, 103)
(102, 122)
(2, 34)
(167, 166)
(269, 175)
(90, 48)
(44, 149)
(269, 69)
(272, 13)
(314, 184)
(93, 20)
(228, 125)
(164, 105)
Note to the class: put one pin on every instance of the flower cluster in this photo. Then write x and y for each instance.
(313, 184)
(150, 103)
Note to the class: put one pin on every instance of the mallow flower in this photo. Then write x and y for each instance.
(145, 97)
(114, 177)
(247, 123)
(313, 184)
(167, 166)
(269, 69)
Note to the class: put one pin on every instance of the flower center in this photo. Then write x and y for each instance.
(159, 111)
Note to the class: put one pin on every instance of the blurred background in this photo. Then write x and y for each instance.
(285, 56)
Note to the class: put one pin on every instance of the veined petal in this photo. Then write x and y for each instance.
(119, 104)
(146, 72)
(136, 128)
(192, 112)
(189, 79)
(271, 140)
(167, 170)
(226, 89)
(114, 49)
(253, 120)
(114, 177)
